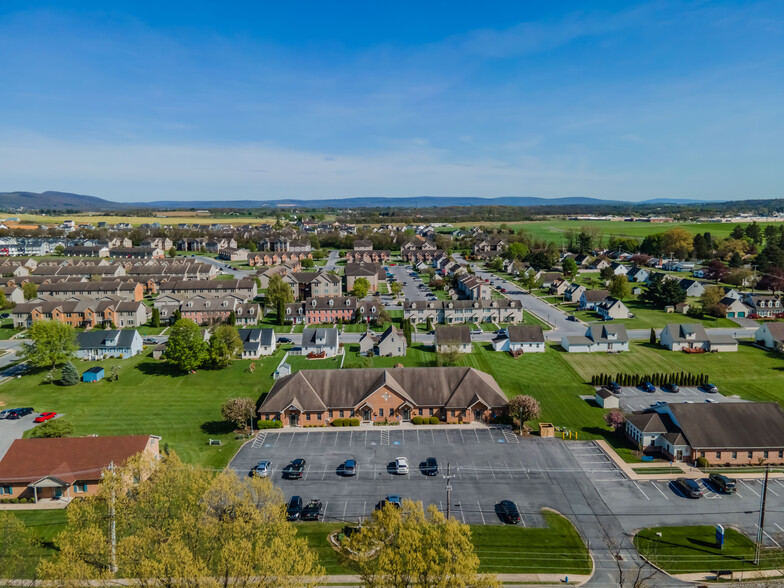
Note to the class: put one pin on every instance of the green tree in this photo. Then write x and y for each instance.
(173, 252)
(3, 300)
(395, 288)
(620, 287)
(225, 344)
(53, 428)
(529, 281)
(518, 251)
(59, 250)
(606, 273)
(652, 339)
(16, 546)
(177, 315)
(663, 292)
(429, 324)
(710, 301)
(30, 290)
(155, 318)
(569, 266)
(737, 232)
(278, 290)
(361, 287)
(52, 343)
(281, 311)
(68, 375)
(407, 328)
(186, 348)
(307, 263)
(232, 318)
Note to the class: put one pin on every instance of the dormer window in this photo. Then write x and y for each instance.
(313, 302)
(348, 302)
(288, 311)
(361, 309)
(190, 304)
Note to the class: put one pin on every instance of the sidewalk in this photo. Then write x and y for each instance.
(687, 471)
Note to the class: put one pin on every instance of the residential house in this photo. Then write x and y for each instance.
(205, 309)
(215, 245)
(319, 340)
(86, 251)
(137, 253)
(770, 335)
(315, 397)
(131, 291)
(600, 263)
(590, 298)
(605, 337)
(619, 269)
(638, 274)
(725, 433)
(257, 342)
(372, 272)
(64, 468)
(233, 254)
(612, 308)
(321, 310)
(692, 287)
(521, 339)
(474, 288)
(367, 256)
(573, 292)
(763, 306)
(559, 286)
(98, 344)
(13, 294)
(693, 336)
(453, 337)
(306, 285)
(286, 268)
(244, 288)
(449, 312)
(734, 308)
(391, 343)
(363, 245)
(489, 247)
(81, 312)
(547, 278)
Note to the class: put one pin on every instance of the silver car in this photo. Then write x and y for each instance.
(262, 469)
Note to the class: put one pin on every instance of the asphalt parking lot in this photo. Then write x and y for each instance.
(490, 465)
(633, 398)
(11, 430)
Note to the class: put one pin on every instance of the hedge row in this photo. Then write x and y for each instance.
(418, 420)
(345, 422)
(657, 379)
(264, 424)
(17, 500)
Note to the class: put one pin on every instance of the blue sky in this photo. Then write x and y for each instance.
(140, 101)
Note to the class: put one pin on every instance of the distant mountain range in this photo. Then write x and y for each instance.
(79, 202)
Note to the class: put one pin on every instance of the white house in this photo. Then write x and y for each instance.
(734, 307)
(257, 342)
(590, 298)
(612, 308)
(771, 335)
(677, 337)
(453, 337)
(605, 337)
(318, 340)
(521, 338)
(97, 344)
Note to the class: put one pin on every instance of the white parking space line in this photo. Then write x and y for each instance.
(764, 532)
(780, 529)
(462, 439)
(525, 469)
(676, 490)
(750, 488)
(480, 512)
(491, 469)
(350, 438)
(433, 436)
(476, 470)
(307, 436)
(324, 514)
(655, 485)
(418, 437)
(306, 472)
(478, 442)
(771, 490)
(277, 438)
(336, 439)
(641, 492)
(292, 438)
(345, 506)
(324, 475)
(511, 477)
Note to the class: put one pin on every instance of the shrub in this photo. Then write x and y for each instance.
(353, 422)
(337, 422)
(433, 420)
(14, 501)
(702, 462)
(417, 420)
(266, 424)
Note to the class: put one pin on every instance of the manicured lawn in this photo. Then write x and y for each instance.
(301, 362)
(556, 548)
(7, 329)
(152, 399)
(270, 321)
(656, 471)
(146, 330)
(693, 549)
(486, 326)
(224, 277)
(44, 525)
(751, 373)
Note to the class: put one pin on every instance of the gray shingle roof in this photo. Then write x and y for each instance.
(97, 339)
(732, 424)
(525, 334)
(454, 335)
(310, 337)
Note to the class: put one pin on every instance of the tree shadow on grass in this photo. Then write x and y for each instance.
(161, 368)
(217, 427)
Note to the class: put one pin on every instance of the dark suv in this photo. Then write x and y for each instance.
(431, 467)
(723, 483)
(312, 511)
(671, 387)
(294, 508)
(689, 488)
(508, 512)
(18, 413)
(615, 387)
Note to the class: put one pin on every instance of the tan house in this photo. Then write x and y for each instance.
(68, 467)
(369, 271)
(453, 337)
(316, 397)
(391, 343)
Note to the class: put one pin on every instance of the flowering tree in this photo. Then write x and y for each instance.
(525, 408)
(615, 419)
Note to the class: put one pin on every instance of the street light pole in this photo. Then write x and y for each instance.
(448, 479)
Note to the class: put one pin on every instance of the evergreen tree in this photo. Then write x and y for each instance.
(653, 336)
(281, 310)
(69, 376)
(155, 318)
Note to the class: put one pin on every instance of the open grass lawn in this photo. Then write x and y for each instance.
(693, 549)
(152, 399)
(556, 548)
(146, 330)
(270, 321)
(163, 218)
(7, 329)
(751, 373)
(301, 362)
(485, 326)
(43, 525)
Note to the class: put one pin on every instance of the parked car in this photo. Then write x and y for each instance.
(711, 400)
(476, 332)
(709, 388)
(608, 318)
(671, 387)
(431, 467)
(723, 483)
(503, 290)
(284, 340)
(5, 315)
(615, 387)
(350, 467)
(262, 469)
(687, 487)
(149, 341)
(44, 416)
(401, 465)
(18, 413)
(658, 403)
(392, 499)
(294, 508)
(295, 469)
(5, 412)
(508, 512)
(312, 510)
(572, 318)
(647, 387)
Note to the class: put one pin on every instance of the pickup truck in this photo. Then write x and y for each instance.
(294, 470)
(312, 511)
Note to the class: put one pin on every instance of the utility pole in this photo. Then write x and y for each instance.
(761, 524)
(448, 479)
(112, 528)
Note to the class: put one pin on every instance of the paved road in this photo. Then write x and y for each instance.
(332, 260)
(13, 347)
(221, 265)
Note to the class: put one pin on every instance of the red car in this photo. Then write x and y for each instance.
(44, 416)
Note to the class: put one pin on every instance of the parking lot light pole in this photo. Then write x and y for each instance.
(448, 479)
(761, 524)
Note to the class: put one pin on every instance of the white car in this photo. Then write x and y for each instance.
(401, 465)
(476, 332)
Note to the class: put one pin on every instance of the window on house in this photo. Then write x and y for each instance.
(80, 487)
(431, 412)
(734, 455)
(420, 412)
(454, 413)
(765, 454)
(718, 455)
(380, 412)
(330, 414)
(781, 454)
(307, 416)
(750, 454)
(341, 414)
(6, 490)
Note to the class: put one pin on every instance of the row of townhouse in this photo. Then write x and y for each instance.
(274, 258)
(209, 244)
(372, 272)
(422, 255)
(322, 310)
(489, 247)
(173, 269)
(306, 285)
(367, 255)
(244, 288)
(126, 290)
(474, 288)
(464, 311)
(81, 311)
(205, 309)
(284, 244)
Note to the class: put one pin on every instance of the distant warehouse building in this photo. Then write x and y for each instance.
(734, 433)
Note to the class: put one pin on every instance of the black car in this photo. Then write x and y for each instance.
(283, 340)
(431, 467)
(294, 508)
(687, 487)
(312, 511)
(723, 483)
(671, 387)
(647, 387)
(294, 470)
(709, 388)
(18, 413)
(508, 512)
(571, 317)
(615, 387)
